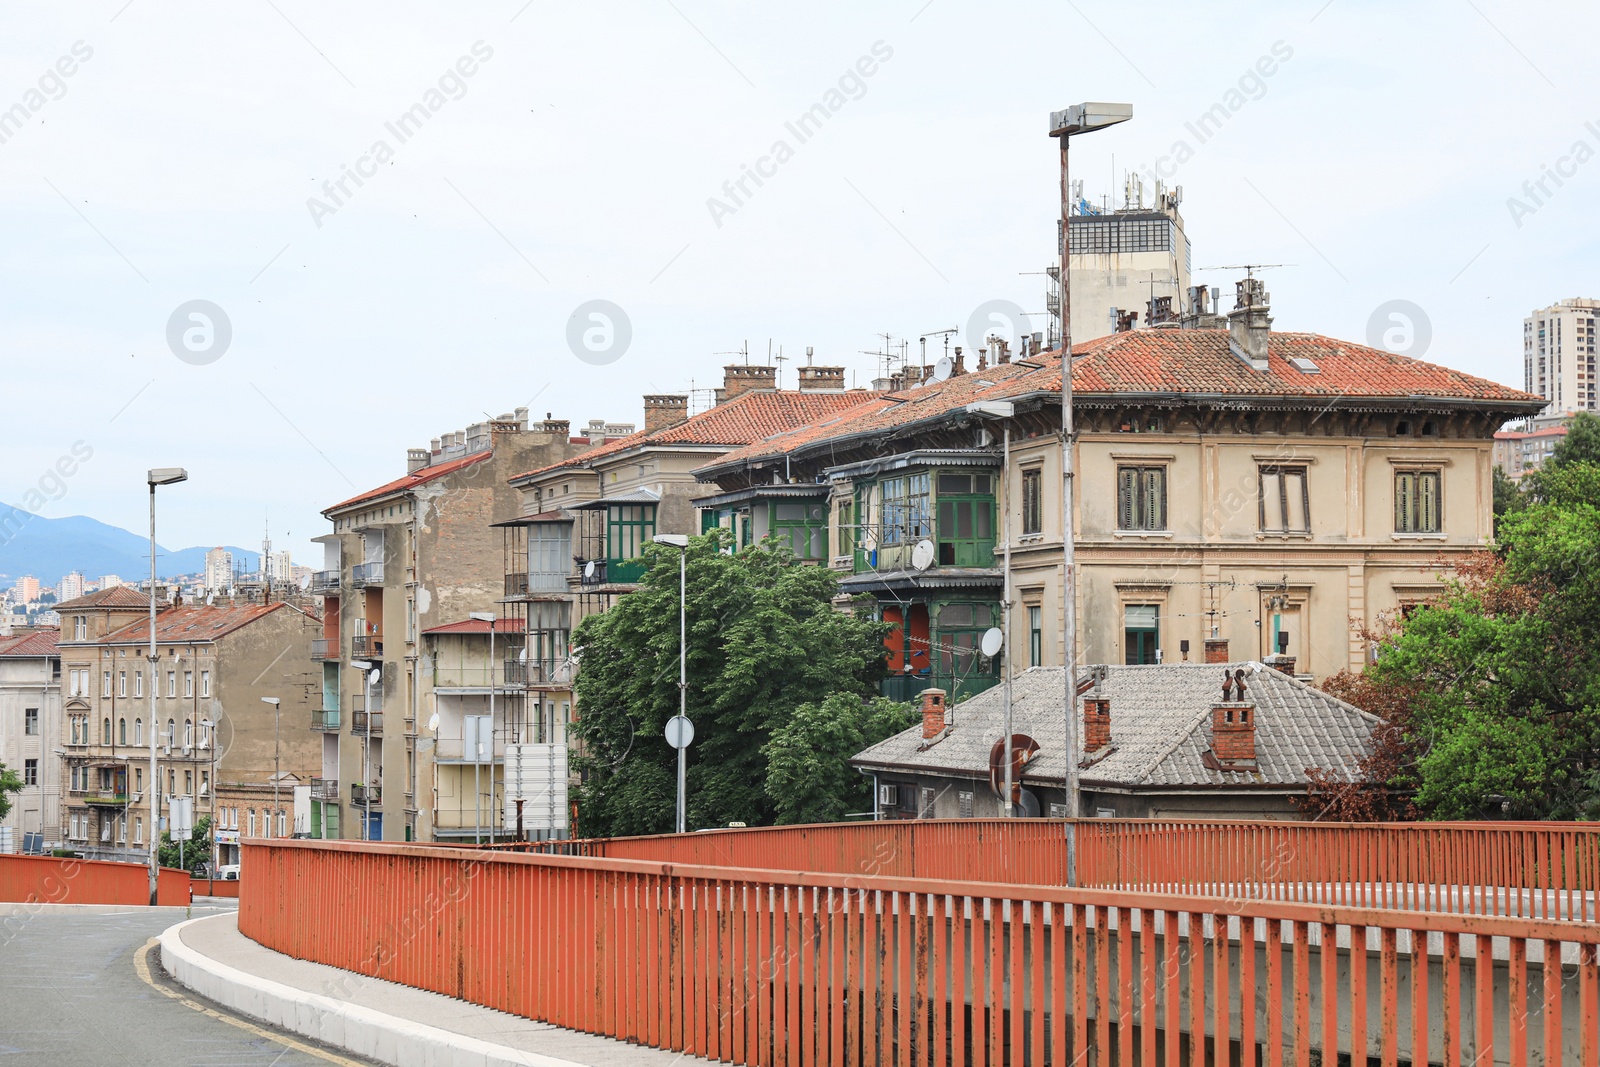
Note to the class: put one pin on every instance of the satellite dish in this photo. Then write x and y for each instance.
(433, 722)
(375, 675)
(922, 555)
(522, 657)
(942, 369)
(993, 638)
(588, 569)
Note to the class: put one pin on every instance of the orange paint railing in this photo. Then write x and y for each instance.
(56, 880)
(784, 967)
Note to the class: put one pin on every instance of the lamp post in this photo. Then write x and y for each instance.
(1064, 125)
(683, 734)
(1004, 410)
(211, 744)
(275, 717)
(154, 477)
(477, 740)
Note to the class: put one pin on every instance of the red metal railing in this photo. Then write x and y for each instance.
(1533, 870)
(775, 967)
(54, 880)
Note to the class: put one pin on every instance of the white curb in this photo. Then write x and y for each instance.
(363, 1031)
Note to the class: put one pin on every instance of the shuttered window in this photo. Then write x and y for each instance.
(1141, 498)
(1032, 502)
(1417, 502)
(1285, 501)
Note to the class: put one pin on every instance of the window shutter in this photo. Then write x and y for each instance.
(1294, 499)
(1271, 500)
(1403, 502)
(1127, 497)
(1155, 499)
(1428, 502)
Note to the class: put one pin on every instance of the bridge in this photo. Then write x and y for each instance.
(959, 942)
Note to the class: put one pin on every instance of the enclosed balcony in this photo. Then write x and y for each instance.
(364, 574)
(361, 722)
(324, 648)
(325, 582)
(325, 719)
(325, 789)
(366, 646)
(517, 584)
(361, 795)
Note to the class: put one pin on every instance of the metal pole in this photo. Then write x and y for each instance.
(155, 802)
(1069, 606)
(366, 759)
(1006, 807)
(683, 685)
(277, 710)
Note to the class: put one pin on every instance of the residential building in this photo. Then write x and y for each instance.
(1558, 355)
(27, 589)
(403, 558)
(108, 581)
(70, 587)
(219, 569)
(1232, 485)
(1160, 741)
(1129, 267)
(30, 726)
(216, 737)
(1519, 451)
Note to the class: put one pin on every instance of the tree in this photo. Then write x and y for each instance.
(763, 639)
(196, 852)
(1580, 445)
(1507, 495)
(9, 783)
(809, 777)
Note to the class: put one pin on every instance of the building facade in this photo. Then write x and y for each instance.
(1129, 267)
(30, 726)
(1558, 355)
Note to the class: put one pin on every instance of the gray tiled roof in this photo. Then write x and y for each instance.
(1160, 729)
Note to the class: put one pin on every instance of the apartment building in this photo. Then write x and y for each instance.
(408, 556)
(1234, 488)
(30, 724)
(1519, 451)
(1558, 355)
(1130, 267)
(204, 699)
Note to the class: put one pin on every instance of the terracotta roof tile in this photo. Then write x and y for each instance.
(38, 643)
(416, 478)
(186, 624)
(118, 596)
(475, 626)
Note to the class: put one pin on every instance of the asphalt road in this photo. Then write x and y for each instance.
(70, 994)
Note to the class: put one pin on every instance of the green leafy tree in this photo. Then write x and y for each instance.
(809, 777)
(1580, 445)
(9, 783)
(1507, 495)
(764, 638)
(196, 852)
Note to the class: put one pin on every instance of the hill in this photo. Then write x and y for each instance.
(50, 548)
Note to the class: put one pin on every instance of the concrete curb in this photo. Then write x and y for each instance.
(363, 1031)
(41, 908)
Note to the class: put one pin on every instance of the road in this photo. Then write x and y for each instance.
(70, 994)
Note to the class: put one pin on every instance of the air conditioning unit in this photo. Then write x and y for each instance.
(888, 796)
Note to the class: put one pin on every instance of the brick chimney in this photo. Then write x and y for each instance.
(1282, 661)
(932, 712)
(960, 366)
(1233, 722)
(739, 379)
(1096, 721)
(560, 428)
(818, 379)
(1216, 650)
(664, 409)
(1249, 323)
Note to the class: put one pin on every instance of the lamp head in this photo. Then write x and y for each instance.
(679, 541)
(1088, 117)
(166, 475)
(274, 701)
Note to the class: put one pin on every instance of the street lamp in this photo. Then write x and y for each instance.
(1004, 410)
(369, 675)
(680, 736)
(477, 740)
(275, 716)
(209, 732)
(1064, 125)
(154, 477)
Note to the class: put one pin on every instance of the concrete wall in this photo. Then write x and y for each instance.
(29, 682)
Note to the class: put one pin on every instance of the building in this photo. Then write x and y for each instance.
(70, 587)
(27, 589)
(30, 724)
(1558, 356)
(1129, 267)
(108, 581)
(1519, 451)
(408, 556)
(216, 737)
(219, 570)
(1233, 485)
(1155, 742)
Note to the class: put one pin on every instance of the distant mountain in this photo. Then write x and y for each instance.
(50, 548)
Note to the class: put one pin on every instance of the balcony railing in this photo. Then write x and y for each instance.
(591, 572)
(366, 574)
(365, 794)
(516, 672)
(549, 672)
(513, 674)
(325, 582)
(324, 648)
(325, 719)
(360, 720)
(517, 584)
(105, 796)
(325, 789)
(366, 645)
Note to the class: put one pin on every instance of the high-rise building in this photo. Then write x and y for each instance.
(219, 568)
(278, 566)
(27, 589)
(1558, 354)
(109, 581)
(70, 587)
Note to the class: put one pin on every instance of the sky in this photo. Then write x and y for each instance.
(561, 154)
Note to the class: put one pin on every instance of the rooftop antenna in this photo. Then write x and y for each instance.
(1248, 268)
(780, 359)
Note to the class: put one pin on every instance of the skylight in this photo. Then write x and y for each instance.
(1304, 365)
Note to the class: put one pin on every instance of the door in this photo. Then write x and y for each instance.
(1141, 633)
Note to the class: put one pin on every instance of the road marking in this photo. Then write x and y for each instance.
(143, 970)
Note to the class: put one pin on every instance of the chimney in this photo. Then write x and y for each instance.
(1249, 322)
(522, 417)
(821, 379)
(1096, 721)
(1282, 661)
(983, 360)
(932, 712)
(738, 379)
(960, 367)
(417, 458)
(1233, 722)
(557, 428)
(1216, 650)
(663, 409)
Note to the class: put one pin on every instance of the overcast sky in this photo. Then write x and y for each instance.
(576, 161)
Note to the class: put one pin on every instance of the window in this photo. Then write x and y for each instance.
(628, 529)
(1032, 501)
(122, 683)
(925, 802)
(188, 683)
(30, 721)
(172, 683)
(1058, 811)
(1035, 639)
(966, 520)
(188, 733)
(105, 827)
(1285, 501)
(30, 772)
(803, 527)
(964, 804)
(138, 779)
(905, 509)
(251, 832)
(105, 731)
(1141, 632)
(138, 731)
(138, 829)
(205, 683)
(1141, 498)
(1416, 502)
(105, 683)
(80, 627)
(205, 783)
(122, 731)
(283, 824)
(73, 722)
(138, 683)
(188, 783)
(847, 535)
(172, 733)
(172, 783)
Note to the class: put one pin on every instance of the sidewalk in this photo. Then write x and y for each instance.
(370, 1017)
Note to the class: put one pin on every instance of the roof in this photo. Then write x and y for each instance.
(475, 626)
(421, 476)
(37, 644)
(186, 624)
(747, 418)
(1160, 730)
(1522, 435)
(635, 496)
(534, 520)
(118, 596)
(1168, 364)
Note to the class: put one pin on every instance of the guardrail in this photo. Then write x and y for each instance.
(774, 966)
(58, 880)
